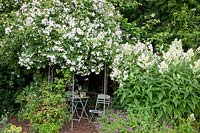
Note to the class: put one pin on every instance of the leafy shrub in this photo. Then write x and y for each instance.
(10, 128)
(175, 93)
(44, 104)
(7, 127)
(123, 122)
(113, 122)
(48, 128)
(168, 84)
(143, 121)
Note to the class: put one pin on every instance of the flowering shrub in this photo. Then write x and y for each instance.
(75, 34)
(113, 122)
(143, 121)
(44, 104)
(128, 55)
(11, 129)
(168, 83)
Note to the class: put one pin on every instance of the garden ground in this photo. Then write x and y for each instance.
(83, 127)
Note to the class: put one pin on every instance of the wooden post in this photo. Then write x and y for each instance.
(50, 73)
(72, 91)
(105, 88)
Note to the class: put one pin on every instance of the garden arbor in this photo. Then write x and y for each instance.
(77, 35)
(73, 92)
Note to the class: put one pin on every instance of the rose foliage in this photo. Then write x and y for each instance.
(80, 35)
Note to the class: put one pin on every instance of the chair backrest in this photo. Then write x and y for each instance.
(100, 100)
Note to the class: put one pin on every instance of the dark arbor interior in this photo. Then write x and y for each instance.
(94, 84)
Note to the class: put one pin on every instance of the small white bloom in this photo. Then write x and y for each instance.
(189, 55)
(29, 21)
(92, 70)
(72, 69)
(198, 49)
(52, 58)
(192, 117)
(57, 48)
(8, 30)
(110, 14)
(44, 21)
(153, 15)
(79, 31)
(163, 67)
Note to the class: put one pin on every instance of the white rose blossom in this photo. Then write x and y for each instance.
(79, 33)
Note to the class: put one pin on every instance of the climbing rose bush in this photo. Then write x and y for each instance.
(77, 34)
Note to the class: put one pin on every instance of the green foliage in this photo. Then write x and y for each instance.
(113, 121)
(11, 82)
(162, 21)
(44, 104)
(9, 5)
(4, 119)
(10, 128)
(7, 127)
(48, 128)
(168, 84)
(175, 93)
(142, 121)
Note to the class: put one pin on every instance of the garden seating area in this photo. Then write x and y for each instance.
(106, 66)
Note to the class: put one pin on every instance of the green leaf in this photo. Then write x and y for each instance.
(160, 96)
(175, 101)
(150, 95)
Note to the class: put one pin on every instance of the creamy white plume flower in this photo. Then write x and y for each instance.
(176, 54)
(139, 47)
(198, 49)
(189, 55)
(163, 67)
(144, 58)
(196, 66)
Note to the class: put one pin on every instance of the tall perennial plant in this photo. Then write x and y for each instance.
(168, 82)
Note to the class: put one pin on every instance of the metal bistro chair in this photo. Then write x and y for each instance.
(99, 109)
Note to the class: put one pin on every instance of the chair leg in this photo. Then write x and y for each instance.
(91, 117)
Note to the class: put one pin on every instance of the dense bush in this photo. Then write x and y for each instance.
(82, 35)
(75, 34)
(44, 104)
(143, 121)
(168, 83)
(162, 21)
(8, 127)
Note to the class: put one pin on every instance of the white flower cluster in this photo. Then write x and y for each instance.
(196, 66)
(75, 34)
(175, 55)
(8, 30)
(145, 54)
(25, 60)
(142, 54)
